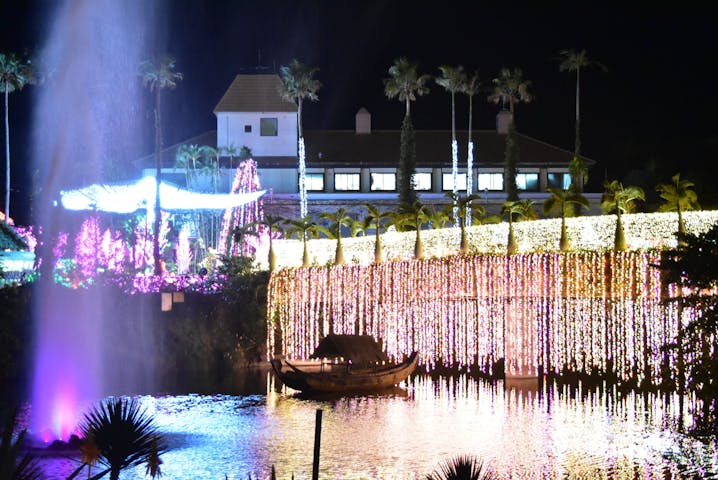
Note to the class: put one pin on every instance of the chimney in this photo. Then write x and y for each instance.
(363, 122)
(503, 119)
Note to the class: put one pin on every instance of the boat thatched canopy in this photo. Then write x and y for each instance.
(359, 349)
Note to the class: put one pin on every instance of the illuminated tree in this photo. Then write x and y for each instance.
(157, 78)
(619, 200)
(298, 83)
(303, 228)
(406, 84)
(679, 197)
(510, 88)
(375, 220)
(338, 219)
(471, 88)
(519, 210)
(561, 200)
(453, 79)
(15, 73)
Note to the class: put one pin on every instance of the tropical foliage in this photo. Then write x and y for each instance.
(304, 228)
(467, 209)
(15, 463)
(338, 219)
(298, 84)
(15, 73)
(679, 197)
(453, 79)
(375, 220)
(517, 210)
(157, 78)
(620, 200)
(693, 267)
(462, 467)
(122, 434)
(415, 217)
(561, 200)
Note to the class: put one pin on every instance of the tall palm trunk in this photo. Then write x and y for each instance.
(302, 164)
(470, 161)
(7, 158)
(454, 159)
(158, 177)
(577, 145)
(378, 251)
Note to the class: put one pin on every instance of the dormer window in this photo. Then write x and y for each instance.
(268, 127)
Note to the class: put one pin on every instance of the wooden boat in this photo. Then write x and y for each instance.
(347, 363)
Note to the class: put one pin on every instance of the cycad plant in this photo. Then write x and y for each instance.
(13, 466)
(124, 434)
(462, 467)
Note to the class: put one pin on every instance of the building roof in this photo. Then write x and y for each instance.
(169, 154)
(254, 93)
(354, 348)
(380, 148)
(10, 240)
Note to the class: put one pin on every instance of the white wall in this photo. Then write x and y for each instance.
(279, 180)
(230, 130)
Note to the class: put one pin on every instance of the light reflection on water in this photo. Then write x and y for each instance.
(521, 433)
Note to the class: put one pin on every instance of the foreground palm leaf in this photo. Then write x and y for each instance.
(124, 434)
(463, 467)
(12, 465)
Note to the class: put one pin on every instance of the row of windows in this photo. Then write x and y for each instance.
(422, 181)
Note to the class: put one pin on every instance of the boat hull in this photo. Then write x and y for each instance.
(343, 381)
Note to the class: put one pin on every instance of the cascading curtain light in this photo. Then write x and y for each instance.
(581, 312)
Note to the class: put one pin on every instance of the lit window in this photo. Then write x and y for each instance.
(447, 181)
(346, 181)
(559, 180)
(491, 181)
(422, 181)
(268, 127)
(383, 181)
(314, 182)
(247, 129)
(527, 181)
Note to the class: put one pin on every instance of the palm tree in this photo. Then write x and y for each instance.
(210, 165)
(463, 467)
(619, 200)
(303, 228)
(374, 219)
(471, 88)
(15, 73)
(123, 433)
(187, 156)
(273, 223)
(239, 234)
(573, 61)
(467, 209)
(298, 83)
(561, 199)
(231, 151)
(157, 78)
(338, 219)
(406, 84)
(440, 217)
(416, 216)
(679, 197)
(510, 88)
(521, 209)
(453, 79)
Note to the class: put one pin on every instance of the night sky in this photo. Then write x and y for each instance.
(652, 114)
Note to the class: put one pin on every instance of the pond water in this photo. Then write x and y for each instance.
(542, 433)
